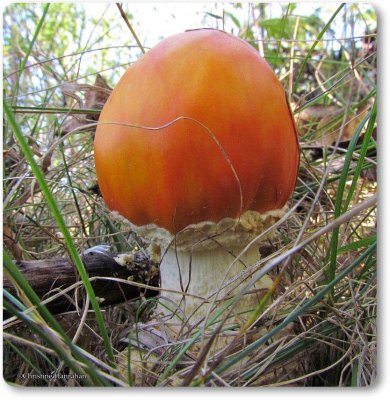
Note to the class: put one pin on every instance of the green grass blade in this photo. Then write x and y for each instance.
(63, 228)
(13, 300)
(61, 348)
(333, 247)
(28, 291)
(70, 184)
(284, 20)
(53, 110)
(312, 48)
(49, 339)
(27, 361)
(17, 277)
(31, 45)
(297, 312)
(356, 245)
(354, 375)
(362, 155)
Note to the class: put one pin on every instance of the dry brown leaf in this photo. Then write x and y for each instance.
(95, 97)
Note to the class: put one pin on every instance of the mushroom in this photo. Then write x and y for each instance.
(197, 148)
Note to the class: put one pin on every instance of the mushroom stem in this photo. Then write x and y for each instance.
(209, 275)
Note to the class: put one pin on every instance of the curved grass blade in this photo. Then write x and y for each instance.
(362, 155)
(333, 247)
(28, 52)
(21, 282)
(18, 278)
(49, 339)
(63, 228)
(310, 52)
(296, 313)
(284, 20)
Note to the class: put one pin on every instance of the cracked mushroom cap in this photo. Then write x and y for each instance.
(197, 130)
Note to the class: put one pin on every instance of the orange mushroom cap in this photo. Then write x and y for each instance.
(198, 129)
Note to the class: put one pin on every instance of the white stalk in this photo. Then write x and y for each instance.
(206, 274)
(200, 265)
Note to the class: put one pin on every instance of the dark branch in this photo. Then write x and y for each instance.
(48, 277)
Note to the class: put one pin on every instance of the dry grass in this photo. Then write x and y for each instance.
(318, 328)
